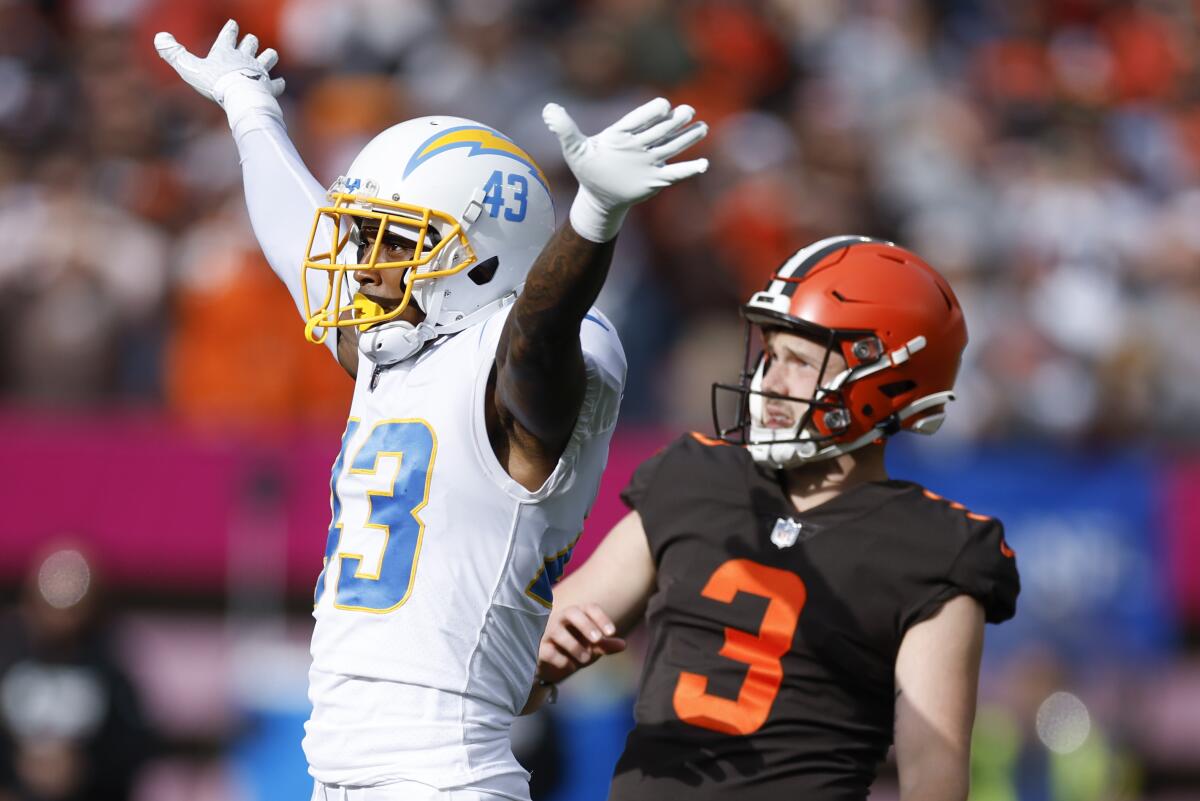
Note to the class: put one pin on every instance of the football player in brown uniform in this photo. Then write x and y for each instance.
(805, 611)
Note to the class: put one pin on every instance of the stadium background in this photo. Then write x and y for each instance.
(167, 433)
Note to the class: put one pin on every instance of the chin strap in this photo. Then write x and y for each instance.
(782, 455)
(395, 341)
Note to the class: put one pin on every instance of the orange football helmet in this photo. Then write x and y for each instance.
(892, 317)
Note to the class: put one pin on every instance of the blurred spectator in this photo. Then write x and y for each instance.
(1044, 743)
(234, 354)
(71, 727)
(83, 281)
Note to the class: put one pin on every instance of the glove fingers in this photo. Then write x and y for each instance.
(276, 86)
(164, 43)
(654, 135)
(227, 38)
(644, 116)
(559, 121)
(268, 58)
(674, 173)
(680, 142)
(249, 45)
(175, 54)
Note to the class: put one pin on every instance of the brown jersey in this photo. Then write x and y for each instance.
(773, 634)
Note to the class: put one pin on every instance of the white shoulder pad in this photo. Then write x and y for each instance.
(602, 348)
(606, 368)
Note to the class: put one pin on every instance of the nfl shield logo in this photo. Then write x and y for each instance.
(785, 533)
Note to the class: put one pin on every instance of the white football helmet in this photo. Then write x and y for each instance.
(476, 207)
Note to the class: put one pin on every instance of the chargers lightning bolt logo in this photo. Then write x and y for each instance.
(481, 141)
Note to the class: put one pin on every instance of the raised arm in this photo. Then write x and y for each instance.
(937, 673)
(596, 606)
(281, 194)
(540, 374)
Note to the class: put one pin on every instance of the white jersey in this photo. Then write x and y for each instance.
(436, 585)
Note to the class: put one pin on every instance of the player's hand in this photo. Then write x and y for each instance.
(228, 64)
(626, 162)
(575, 637)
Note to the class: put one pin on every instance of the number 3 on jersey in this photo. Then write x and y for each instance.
(386, 486)
(760, 651)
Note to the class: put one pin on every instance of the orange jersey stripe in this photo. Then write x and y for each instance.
(703, 440)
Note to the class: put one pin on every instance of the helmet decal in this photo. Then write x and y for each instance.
(791, 272)
(481, 141)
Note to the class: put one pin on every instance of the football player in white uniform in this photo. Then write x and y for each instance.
(486, 392)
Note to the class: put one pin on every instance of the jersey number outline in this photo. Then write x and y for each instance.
(413, 445)
(541, 588)
(761, 651)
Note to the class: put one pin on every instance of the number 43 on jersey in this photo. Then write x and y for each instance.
(380, 497)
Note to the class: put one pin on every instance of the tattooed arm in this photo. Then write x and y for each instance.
(539, 380)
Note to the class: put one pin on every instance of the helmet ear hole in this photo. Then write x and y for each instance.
(485, 271)
(898, 388)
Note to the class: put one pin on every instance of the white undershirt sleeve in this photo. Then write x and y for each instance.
(282, 197)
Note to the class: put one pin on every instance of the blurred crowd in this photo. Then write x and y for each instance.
(1042, 153)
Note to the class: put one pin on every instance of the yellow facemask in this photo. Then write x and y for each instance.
(347, 215)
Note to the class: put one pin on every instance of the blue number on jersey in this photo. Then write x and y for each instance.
(521, 197)
(394, 511)
(493, 194)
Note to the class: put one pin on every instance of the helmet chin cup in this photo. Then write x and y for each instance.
(393, 342)
(781, 455)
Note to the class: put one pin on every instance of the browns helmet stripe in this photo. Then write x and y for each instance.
(792, 271)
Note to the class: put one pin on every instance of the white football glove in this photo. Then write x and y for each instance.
(230, 74)
(625, 163)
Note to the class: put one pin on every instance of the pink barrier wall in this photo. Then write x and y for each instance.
(157, 506)
(629, 449)
(1183, 538)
